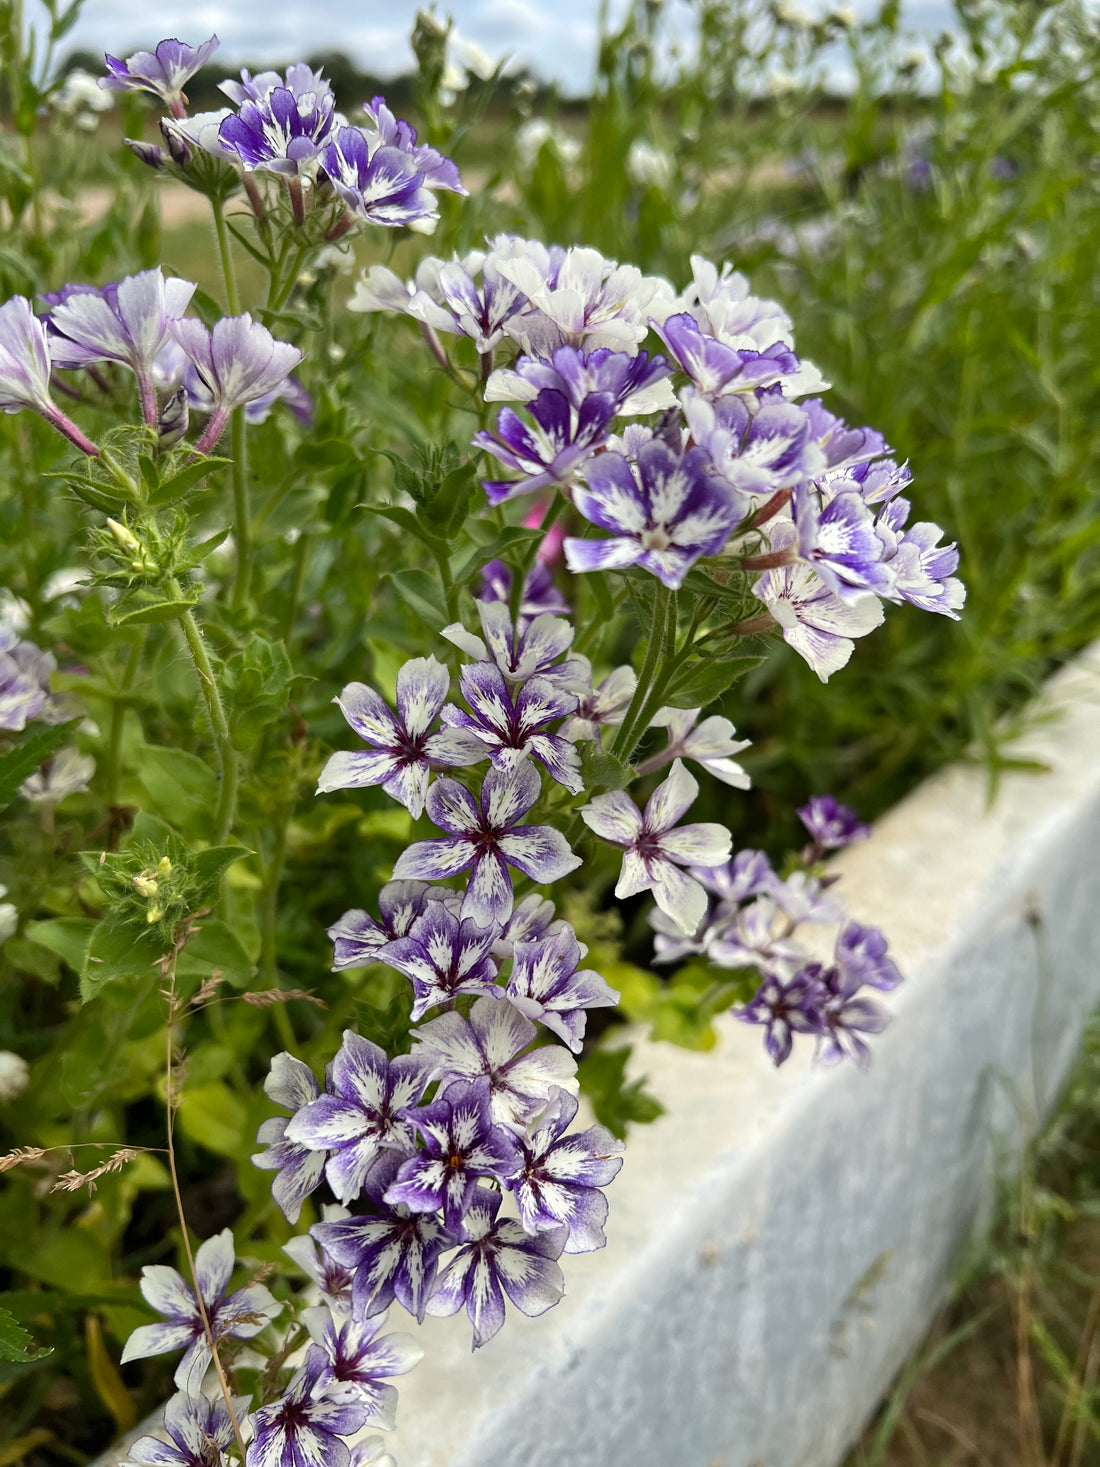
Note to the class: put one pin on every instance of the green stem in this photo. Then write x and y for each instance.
(269, 912)
(301, 556)
(118, 722)
(229, 273)
(227, 755)
(242, 524)
(624, 739)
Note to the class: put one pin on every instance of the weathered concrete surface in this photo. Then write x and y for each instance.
(778, 1241)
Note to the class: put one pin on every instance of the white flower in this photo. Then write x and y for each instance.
(67, 772)
(14, 1075)
(711, 744)
(648, 166)
(9, 917)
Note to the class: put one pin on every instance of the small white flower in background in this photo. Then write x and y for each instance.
(9, 917)
(67, 772)
(789, 14)
(648, 166)
(844, 15)
(14, 1075)
(533, 134)
(783, 84)
(80, 92)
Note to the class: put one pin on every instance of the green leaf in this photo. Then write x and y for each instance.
(16, 1344)
(216, 1118)
(705, 681)
(19, 763)
(509, 537)
(216, 945)
(602, 771)
(423, 594)
(184, 480)
(408, 522)
(450, 505)
(617, 1102)
(148, 606)
(207, 867)
(117, 949)
(180, 785)
(68, 937)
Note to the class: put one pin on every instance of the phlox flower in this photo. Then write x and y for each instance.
(238, 362)
(831, 824)
(350, 1361)
(443, 955)
(758, 443)
(635, 382)
(552, 448)
(292, 1084)
(359, 939)
(25, 367)
(494, 1043)
(238, 1316)
(512, 726)
(199, 1431)
(532, 651)
(600, 707)
(498, 1257)
(302, 1429)
(710, 743)
(664, 512)
(403, 750)
(561, 1176)
(715, 368)
(785, 1008)
(164, 71)
(547, 983)
(279, 126)
(921, 569)
(655, 848)
(379, 184)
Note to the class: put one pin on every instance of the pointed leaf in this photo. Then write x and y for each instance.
(21, 762)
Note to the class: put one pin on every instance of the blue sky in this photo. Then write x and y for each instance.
(555, 37)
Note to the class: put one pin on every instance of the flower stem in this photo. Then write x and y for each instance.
(625, 739)
(229, 272)
(118, 722)
(169, 1125)
(242, 524)
(227, 755)
(57, 419)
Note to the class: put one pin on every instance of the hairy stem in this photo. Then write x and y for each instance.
(227, 755)
(625, 739)
(118, 722)
(242, 521)
(229, 272)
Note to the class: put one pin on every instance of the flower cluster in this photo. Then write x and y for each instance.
(286, 124)
(737, 468)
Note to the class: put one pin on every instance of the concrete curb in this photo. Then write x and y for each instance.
(779, 1241)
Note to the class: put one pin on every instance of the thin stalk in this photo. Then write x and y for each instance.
(301, 557)
(229, 272)
(661, 602)
(118, 721)
(269, 910)
(242, 523)
(227, 755)
(169, 1110)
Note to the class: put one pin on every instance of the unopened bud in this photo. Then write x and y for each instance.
(173, 420)
(149, 153)
(145, 885)
(124, 536)
(164, 866)
(179, 150)
(154, 914)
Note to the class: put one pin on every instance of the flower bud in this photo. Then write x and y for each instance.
(125, 537)
(173, 420)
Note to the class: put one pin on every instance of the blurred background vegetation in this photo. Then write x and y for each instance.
(934, 236)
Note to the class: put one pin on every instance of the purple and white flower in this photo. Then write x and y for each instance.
(350, 1361)
(164, 71)
(199, 1431)
(359, 939)
(65, 772)
(540, 595)
(461, 1142)
(494, 1043)
(25, 368)
(710, 743)
(25, 672)
(447, 296)
(293, 1084)
(759, 443)
(547, 983)
(437, 171)
(813, 619)
(664, 512)
(531, 651)
(239, 1316)
(553, 449)
(129, 323)
(861, 957)
(749, 874)
(831, 824)
(301, 1429)
(238, 362)
(839, 542)
(510, 727)
(807, 898)
(845, 1017)
(786, 1008)
(331, 1277)
(485, 838)
(499, 1257)
(279, 126)
(392, 1253)
(442, 956)
(561, 1177)
(531, 919)
(404, 750)
(715, 368)
(758, 936)
(361, 1113)
(841, 447)
(600, 707)
(655, 848)
(576, 297)
(634, 383)
(379, 184)
(921, 569)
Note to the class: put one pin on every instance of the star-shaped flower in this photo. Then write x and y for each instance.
(547, 983)
(710, 743)
(358, 939)
(198, 1430)
(533, 651)
(362, 1113)
(239, 1316)
(512, 727)
(351, 1360)
(444, 955)
(494, 1043)
(485, 838)
(293, 1084)
(301, 1429)
(238, 362)
(499, 1257)
(164, 71)
(786, 1008)
(655, 847)
(461, 1143)
(403, 748)
(559, 1184)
